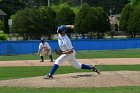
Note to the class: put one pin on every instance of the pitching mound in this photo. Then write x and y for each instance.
(88, 79)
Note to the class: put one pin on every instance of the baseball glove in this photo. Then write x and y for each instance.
(44, 51)
(58, 51)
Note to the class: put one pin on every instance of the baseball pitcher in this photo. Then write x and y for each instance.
(68, 52)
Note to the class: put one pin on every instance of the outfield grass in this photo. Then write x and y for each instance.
(71, 90)
(21, 72)
(131, 53)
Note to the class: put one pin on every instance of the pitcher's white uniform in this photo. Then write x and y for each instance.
(65, 44)
(43, 49)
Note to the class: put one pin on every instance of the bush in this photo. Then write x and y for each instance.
(3, 36)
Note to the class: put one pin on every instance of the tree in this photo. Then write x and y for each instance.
(114, 5)
(135, 2)
(134, 22)
(50, 14)
(32, 23)
(103, 24)
(94, 20)
(34, 3)
(65, 15)
(129, 18)
(84, 20)
(125, 15)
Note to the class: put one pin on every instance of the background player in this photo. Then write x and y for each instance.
(68, 52)
(44, 50)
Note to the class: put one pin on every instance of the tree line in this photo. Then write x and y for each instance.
(12, 6)
(32, 23)
(35, 21)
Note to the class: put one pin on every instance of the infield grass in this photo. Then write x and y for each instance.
(134, 89)
(32, 71)
(131, 53)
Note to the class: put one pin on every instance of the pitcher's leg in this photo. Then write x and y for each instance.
(58, 61)
(55, 67)
(76, 64)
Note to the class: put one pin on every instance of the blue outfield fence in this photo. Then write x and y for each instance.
(30, 47)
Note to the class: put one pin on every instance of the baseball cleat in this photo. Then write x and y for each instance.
(41, 61)
(95, 69)
(48, 77)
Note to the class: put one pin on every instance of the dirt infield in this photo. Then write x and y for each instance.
(86, 79)
(103, 61)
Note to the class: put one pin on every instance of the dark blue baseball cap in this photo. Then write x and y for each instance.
(61, 29)
(43, 39)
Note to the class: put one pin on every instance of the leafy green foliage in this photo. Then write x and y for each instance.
(134, 22)
(84, 19)
(130, 17)
(91, 19)
(3, 36)
(125, 17)
(135, 2)
(115, 5)
(32, 23)
(65, 15)
(50, 14)
(102, 24)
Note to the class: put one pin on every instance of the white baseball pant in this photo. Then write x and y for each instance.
(70, 58)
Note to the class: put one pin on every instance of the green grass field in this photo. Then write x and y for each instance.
(21, 72)
(131, 53)
(71, 90)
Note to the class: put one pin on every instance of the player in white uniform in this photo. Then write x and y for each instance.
(68, 52)
(44, 50)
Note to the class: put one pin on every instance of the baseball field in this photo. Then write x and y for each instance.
(120, 72)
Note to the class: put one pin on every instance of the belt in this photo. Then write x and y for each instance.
(69, 49)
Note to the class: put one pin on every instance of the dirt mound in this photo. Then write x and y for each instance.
(87, 79)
